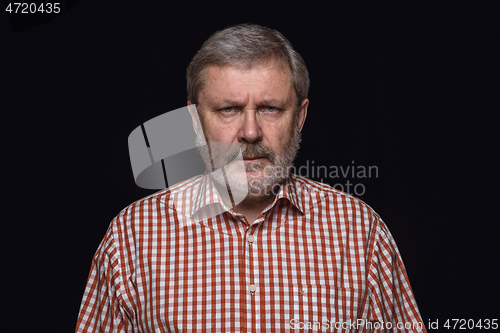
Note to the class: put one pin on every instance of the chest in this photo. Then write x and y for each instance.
(255, 278)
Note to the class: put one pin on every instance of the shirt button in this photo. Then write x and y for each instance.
(252, 288)
(250, 238)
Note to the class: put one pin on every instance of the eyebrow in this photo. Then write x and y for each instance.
(268, 102)
(272, 102)
(231, 102)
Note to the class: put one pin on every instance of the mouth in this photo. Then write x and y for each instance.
(252, 158)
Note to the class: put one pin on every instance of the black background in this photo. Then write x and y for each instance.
(398, 86)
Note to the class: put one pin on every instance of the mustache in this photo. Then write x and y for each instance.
(251, 150)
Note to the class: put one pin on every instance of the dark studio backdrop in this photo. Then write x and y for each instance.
(400, 87)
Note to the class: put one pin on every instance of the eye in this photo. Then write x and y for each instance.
(270, 109)
(227, 110)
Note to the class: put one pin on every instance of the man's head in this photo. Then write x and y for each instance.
(250, 88)
(244, 46)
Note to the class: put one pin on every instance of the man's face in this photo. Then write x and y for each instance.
(253, 109)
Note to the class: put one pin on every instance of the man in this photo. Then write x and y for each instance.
(290, 254)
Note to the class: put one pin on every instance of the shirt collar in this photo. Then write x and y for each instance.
(207, 200)
(292, 191)
(198, 198)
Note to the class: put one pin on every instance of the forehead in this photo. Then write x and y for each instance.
(264, 81)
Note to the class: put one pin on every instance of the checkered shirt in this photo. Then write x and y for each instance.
(316, 259)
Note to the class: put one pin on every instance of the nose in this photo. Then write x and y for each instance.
(250, 131)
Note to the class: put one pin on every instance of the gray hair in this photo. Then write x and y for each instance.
(246, 45)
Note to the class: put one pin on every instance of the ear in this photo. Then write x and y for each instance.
(303, 113)
(194, 116)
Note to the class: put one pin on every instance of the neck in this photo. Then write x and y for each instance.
(252, 207)
(259, 202)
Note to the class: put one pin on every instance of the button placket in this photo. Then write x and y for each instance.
(250, 239)
(253, 263)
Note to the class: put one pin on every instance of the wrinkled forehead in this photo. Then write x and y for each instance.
(269, 81)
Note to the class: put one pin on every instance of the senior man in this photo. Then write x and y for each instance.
(292, 254)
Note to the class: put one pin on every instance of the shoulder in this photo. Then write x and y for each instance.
(327, 193)
(340, 205)
(165, 203)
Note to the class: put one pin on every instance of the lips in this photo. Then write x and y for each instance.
(252, 157)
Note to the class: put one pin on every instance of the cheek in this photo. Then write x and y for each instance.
(220, 133)
(278, 137)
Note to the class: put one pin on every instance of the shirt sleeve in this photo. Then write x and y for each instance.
(101, 309)
(392, 305)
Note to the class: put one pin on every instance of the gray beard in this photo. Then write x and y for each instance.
(228, 157)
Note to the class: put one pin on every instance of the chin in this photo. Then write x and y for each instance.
(254, 180)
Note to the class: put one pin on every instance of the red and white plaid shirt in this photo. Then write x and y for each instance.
(316, 259)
